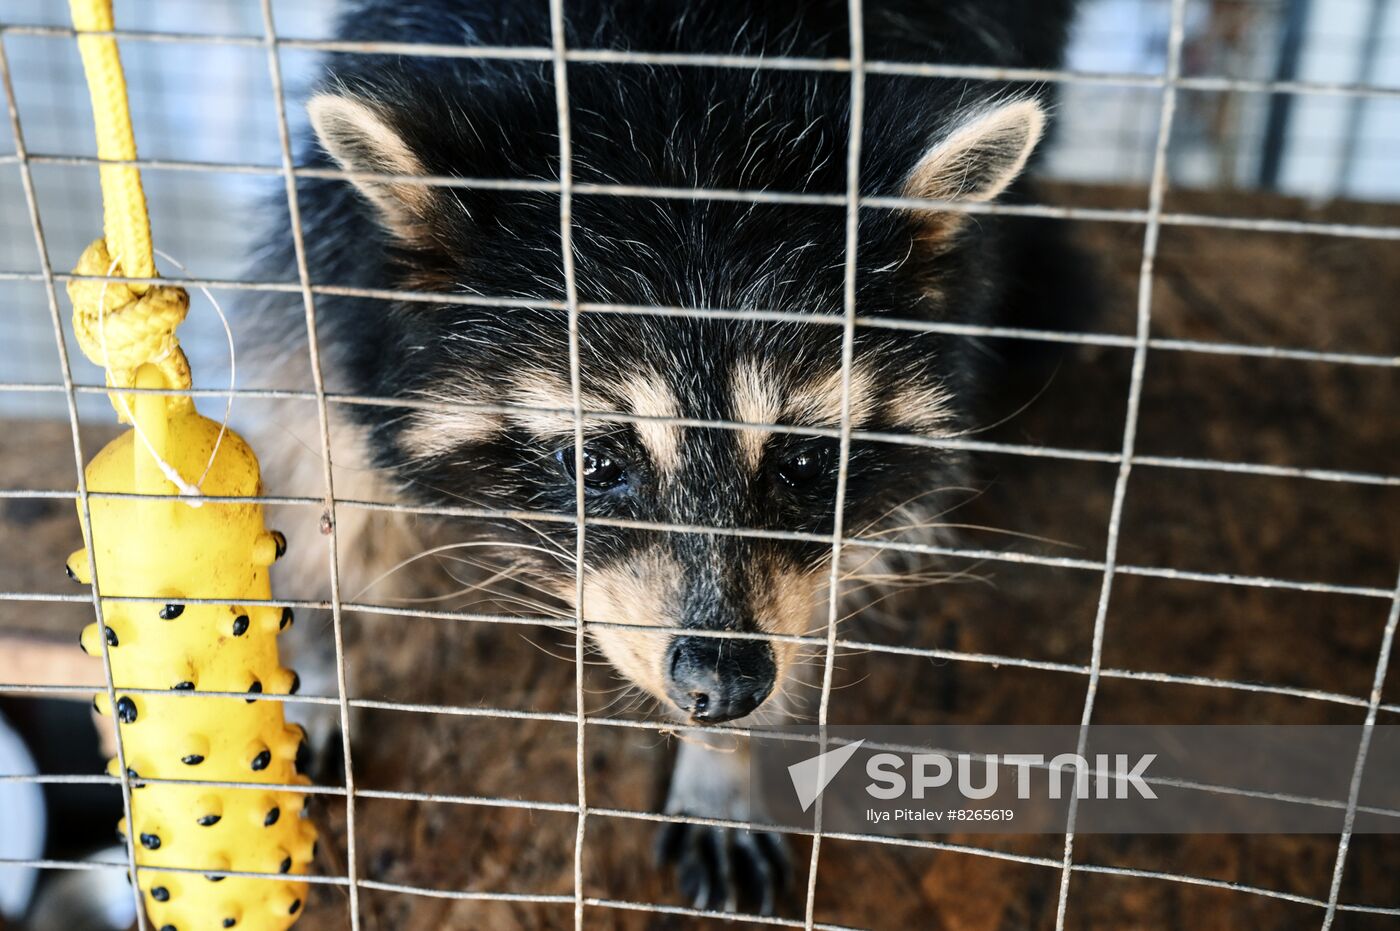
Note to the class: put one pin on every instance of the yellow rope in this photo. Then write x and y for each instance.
(121, 326)
(125, 223)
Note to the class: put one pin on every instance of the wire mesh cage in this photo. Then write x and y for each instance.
(1193, 508)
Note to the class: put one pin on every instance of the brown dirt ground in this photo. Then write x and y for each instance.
(1289, 290)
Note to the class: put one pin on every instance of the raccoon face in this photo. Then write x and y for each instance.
(501, 433)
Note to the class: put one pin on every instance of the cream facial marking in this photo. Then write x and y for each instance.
(642, 592)
(787, 604)
(754, 398)
(432, 432)
(925, 409)
(817, 403)
(648, 395)
(546, 404)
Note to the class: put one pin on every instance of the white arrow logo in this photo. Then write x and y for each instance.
(810, 778)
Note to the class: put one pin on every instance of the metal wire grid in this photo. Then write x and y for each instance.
(848, 333)
(1153, 219)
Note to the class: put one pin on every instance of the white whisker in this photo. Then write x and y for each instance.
(446, 548)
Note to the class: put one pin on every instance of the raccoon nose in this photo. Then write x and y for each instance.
(714, 679)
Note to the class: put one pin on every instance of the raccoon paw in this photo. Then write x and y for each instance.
(722, 868)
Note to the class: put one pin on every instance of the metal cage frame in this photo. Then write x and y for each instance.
(1152, 219)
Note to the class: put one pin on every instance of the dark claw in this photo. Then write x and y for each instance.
(667, 846)
(725, 868)
(762, 868)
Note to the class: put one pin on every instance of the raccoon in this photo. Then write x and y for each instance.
(485, 419)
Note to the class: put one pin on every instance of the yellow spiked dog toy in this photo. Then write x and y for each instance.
(169, 537)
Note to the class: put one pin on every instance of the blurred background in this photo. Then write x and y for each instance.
(1176, 650)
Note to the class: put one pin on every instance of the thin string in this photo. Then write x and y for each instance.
(191, 492)
(232, 375)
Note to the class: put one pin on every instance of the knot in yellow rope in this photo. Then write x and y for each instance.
(122, 330)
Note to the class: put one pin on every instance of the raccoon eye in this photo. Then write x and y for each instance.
(600, 471)
(804, 466)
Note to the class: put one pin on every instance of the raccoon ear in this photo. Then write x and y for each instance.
(361, 138)
(981, 156)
